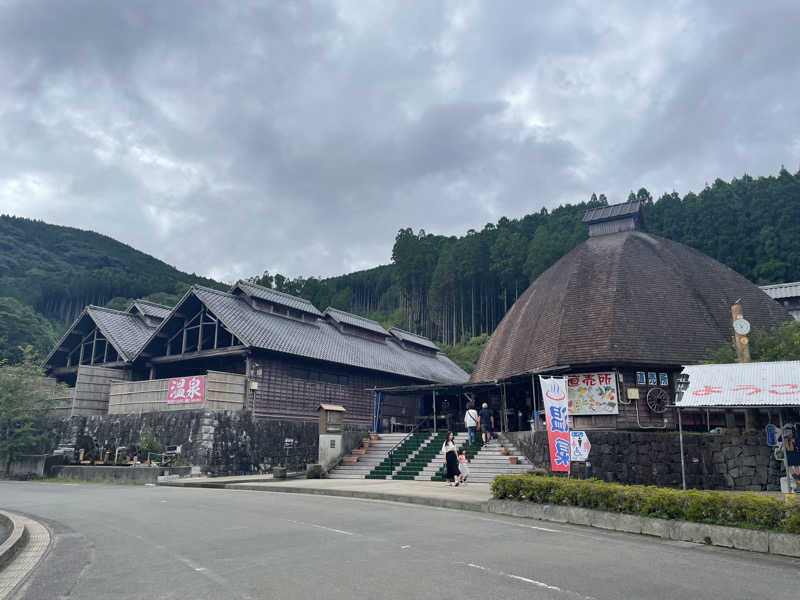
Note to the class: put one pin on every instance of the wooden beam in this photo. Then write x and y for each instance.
(232, 351)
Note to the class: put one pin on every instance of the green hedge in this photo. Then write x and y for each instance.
(733, 509)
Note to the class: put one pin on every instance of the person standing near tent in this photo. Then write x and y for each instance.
(486, 423)
(471, 422)
(451, 459)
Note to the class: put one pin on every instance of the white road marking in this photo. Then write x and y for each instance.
(539, 584)
(321, 527)
(404, 547)
(519, 525)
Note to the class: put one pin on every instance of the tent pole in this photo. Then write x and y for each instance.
(789, 482)
(680, 437)
(434, 411)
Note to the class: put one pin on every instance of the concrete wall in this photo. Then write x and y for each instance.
(221, 442)
(732, 461)
(133, 475)
(223, 391)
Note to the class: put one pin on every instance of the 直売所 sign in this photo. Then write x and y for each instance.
(554, 391)
(186, 390)
(593, 394)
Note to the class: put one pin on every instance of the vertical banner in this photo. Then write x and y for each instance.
(554, 391)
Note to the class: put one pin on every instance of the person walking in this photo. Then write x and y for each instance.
(463, 466)
(486, 423)
(471, 422)
(451, 459)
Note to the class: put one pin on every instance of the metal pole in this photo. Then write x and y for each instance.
(434, 411)
(533, 398)
(789, 481)
(680, 437)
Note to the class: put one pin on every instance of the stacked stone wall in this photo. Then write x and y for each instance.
(220, 442)
(731, 461)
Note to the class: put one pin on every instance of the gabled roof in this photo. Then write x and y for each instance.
(126, 332)
(412, 338)
(276, 297)
(615, 211)
(150, 309)
(779, 291)
(347, 318)
(319, 340)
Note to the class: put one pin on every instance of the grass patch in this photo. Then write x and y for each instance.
(731, 509)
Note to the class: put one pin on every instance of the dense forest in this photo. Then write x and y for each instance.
(452, 289)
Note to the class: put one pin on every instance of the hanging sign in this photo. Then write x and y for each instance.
(579, 446)
(554, 391)
(186, 390)
(593, 393)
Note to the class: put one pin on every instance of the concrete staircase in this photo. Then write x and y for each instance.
(490, 462)
(433, 466)
(366, 462)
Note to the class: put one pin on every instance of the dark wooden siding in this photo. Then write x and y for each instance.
(283, 393)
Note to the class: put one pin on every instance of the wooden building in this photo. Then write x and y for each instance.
(620, 315)
(289, 356)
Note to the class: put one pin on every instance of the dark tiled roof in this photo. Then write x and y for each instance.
(322, 341)
(126, 331)
(347, 318)
(624, 298)
(257, 291)
(615, 211)
(412, 338)
(151, 309)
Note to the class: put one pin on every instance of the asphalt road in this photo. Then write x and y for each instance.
(162, 543)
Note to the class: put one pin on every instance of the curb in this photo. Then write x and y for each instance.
(767, 542)
(16, 540)
(475, 506)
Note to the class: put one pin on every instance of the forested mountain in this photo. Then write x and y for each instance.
(456, 288)
(452, 289)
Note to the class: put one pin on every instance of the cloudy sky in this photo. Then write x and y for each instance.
(228, 138)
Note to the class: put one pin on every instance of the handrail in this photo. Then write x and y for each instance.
(390, 454)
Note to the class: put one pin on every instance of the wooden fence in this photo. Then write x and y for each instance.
(223, 391)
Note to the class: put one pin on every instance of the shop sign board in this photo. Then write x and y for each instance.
(593, 393)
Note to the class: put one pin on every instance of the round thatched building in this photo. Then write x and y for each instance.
(625, 302)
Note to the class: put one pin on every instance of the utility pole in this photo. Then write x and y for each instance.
(741, 344)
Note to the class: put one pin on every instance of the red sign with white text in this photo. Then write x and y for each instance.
(556, 405)
(186, 390)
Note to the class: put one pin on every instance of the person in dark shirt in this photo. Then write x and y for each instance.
(485, 423)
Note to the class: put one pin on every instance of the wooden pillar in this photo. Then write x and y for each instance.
(434, 411)
(741, 344)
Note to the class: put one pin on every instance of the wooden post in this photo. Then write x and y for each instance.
(434, 411)
(741, 344)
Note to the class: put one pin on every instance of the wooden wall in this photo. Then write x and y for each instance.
(282, 395)
(223, 391)
(92, 388)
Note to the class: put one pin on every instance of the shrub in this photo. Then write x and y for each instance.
(740, 509)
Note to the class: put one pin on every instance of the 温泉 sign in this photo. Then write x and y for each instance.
(554, 391)
(579, 446)
(593, 394)
(186, 390)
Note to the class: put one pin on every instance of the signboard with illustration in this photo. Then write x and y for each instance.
(186, 390)
(593, 393)
(580, 446)
(554, 391)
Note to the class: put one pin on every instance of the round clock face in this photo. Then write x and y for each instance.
(741, 326)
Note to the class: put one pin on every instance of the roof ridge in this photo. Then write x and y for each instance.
(274, 291)
(111, 310)
(410, 333)
(344, 312)
(150, 302)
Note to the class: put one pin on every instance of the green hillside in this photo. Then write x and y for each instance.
(452, 289)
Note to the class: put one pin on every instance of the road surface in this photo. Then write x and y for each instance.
(126, 542)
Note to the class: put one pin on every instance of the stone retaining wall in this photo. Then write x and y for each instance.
(731, 461)
(221, 442)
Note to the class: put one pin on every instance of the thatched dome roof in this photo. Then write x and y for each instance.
(627, 298)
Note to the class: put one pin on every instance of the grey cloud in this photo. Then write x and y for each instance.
(228, 138)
